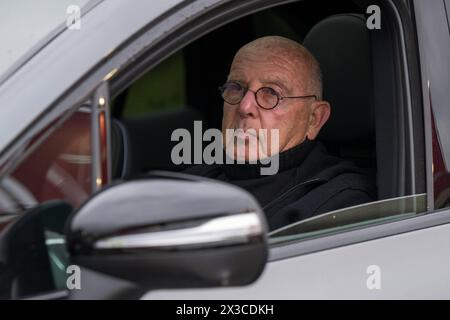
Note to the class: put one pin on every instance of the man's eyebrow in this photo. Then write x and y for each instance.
(233, 76)
(269, 80)
(277, 81)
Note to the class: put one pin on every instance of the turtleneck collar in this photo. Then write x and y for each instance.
(288, 159)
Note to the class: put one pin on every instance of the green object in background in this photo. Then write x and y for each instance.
(163, 88)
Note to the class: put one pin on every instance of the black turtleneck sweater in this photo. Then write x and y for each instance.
(309, 182)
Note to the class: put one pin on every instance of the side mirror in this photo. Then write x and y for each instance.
(170, 230)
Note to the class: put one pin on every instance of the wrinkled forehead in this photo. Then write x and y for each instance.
(283, 62)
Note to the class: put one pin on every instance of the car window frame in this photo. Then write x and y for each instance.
(411, 117)
(435, 93)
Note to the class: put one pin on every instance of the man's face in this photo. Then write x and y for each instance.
(255, 69)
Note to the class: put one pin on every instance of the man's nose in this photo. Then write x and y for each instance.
(248, 106)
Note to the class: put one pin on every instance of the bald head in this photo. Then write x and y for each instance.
(307, 70)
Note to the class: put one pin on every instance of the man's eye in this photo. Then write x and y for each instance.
(269, 91)
(233, 86)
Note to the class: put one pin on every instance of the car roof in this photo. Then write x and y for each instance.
(34, 24)
(56, 67)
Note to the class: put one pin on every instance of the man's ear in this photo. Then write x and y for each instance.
(320, 113)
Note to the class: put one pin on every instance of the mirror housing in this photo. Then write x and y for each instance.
(170, 230)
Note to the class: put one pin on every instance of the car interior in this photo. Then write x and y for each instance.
(358, 79)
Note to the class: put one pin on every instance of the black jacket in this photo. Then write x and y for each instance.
(309, 182)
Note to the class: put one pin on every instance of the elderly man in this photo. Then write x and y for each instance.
(275, 84)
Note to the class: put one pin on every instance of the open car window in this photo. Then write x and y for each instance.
(372, 133)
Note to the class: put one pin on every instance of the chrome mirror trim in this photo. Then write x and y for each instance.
(221, 231)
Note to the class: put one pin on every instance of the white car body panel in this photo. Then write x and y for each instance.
(413, 265)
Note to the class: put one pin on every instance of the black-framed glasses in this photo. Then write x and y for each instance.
(266, 97)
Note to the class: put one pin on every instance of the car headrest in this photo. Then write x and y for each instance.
(150, 138)
(341, 44)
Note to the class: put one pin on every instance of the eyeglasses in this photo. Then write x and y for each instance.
(266, 97)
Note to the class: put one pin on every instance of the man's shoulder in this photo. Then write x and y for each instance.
(342, 175)
(344, 183)
(327, 167)
(338, 183)
(348, 185)
(345, 189)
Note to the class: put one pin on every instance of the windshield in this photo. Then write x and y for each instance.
(25, 23)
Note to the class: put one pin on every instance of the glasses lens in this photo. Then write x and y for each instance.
(267, 98)
(232, 92)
